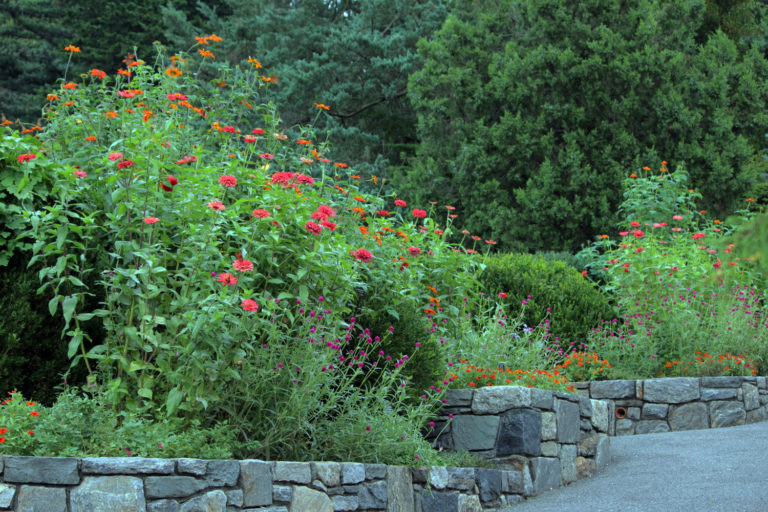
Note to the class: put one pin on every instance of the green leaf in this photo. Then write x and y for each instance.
(68, 307)
(53, 304)
(144, 392)
(74, 344)
(175, 396)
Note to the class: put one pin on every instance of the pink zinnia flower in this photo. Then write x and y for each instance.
(330, 225)
(259, 213)
(326, 210)
(228, 181)
(677, 217)
(282, 178)
(401, 203)
(80, 174)
(243, 265)
(125, 163)
(362, 255)
(250, 139)
(313, 228)
(258, 131)
(126, 94)
(177, 96)
(419, 214)
(318, 216)
(414, 251)
(268, 156)
(634, 224)
(697, 236)
(216, 205)
(250, 305)
(150, 220)
(115, 156)
(227, 279)
(502, 295)
(304, 179)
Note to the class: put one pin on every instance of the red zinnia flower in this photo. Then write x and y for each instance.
(401, 203)
(243, 265)
(258, 131)
(313, 228)
(150, 220)
(250, 305)
(227, 279)
(216, 205)
(330, 225)
(326, 210)
(414, 251)
(502, 295)
(362, 255)
(228, 181)
(697, 236)
(259, 213)
(304, 179)
(419, 214)
(638, 233)
(34, 414)
(115, 156)
(80, 174)
(249, 139)
(172, 180)
(125, 163)
(26, 157)
(282, 178)
(166, 187)
(177, 96)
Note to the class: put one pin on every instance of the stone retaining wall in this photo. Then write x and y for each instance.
(559, 437)
(132, 484)
(681, 403)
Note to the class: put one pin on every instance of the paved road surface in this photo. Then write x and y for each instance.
(714, 470)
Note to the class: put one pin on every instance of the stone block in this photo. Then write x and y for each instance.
(461, 478)
(212, 501)
(726, 414)
(545, 473)
(308, 499)
(708, 394)
(755, 415)
(7, 492)
(568, 463)
(469, 503)
(587, 444)
(585, 407)
(548, 426)
(550, 449)
(520, 432)
(488, 484)
(195, 467)
(497, 399)
(475, 432)
(222, 473)
(329, 473)
(399, 489)
(256, 478)
(628, 402)
(585, 425)
(600, 415)
(172, 486)
(633, 413)
(651, 426)
(625, 427)
(282, 493)
(352, 473)
(518, 479)
(234, 497)
(41, 470)
(32, 498)
(567, 422)
(612, 389)
(721, 382)
(113, 493)
(438, 477)
(751, 395)
(674, 390)
(345, 503)
(542, 399)
(584, 467)
(163, 506)
(373, 496)
(375, 471)
(126, 466)
(654, 411)
(297, 472)
(458, 397)
(602, 451)
(432, 501)
(688, 416)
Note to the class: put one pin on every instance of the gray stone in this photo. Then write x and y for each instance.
(628, 402)
(458, 397)
(127, 466)
(469, 503)
(726, 414)
(568, 463)
(674, 390)
(373, 495)
(651, 427)
(439, 501)
(688, 416)
(329, 473)
(520, 432)
(308, 499)
(497, 399)
(513, 499)
(345, 503)
(755, 415)
(751, 400)
(550, 449)
(461, 478)
(438, 477)
(282, 493)
(708, 394)
(32, 498)
(600, 415)
(163, 506)
(584, 467)
(7, 492)
(195, 467)
(545, 473)
(721, 382)
(587, 445)
(222, 473)
(518, 479)
(172, 486)
(612, 389)
(585, 407)
(633, 413)
(475, 432)
(625, 427)
(41, 470)
(234, 497)
(2, 462)
(489, 483)
(257, 482)
(113, 493)
(297, 472)
(548, 426)
(654, 411)
(567, 422)
(375, 471)
(585, 425)
(213, 501)
(320, 486)
(399, 489)
(542, 398)
(603, 450)
(352, 473)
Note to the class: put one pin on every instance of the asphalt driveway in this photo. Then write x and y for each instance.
(723, 469)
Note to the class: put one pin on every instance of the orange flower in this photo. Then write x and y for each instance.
(174, 71)
(91, 138)
(750, 200)
(270, 79)
(69, 85)
(322, 106)
(205, 53)
(72, 48)
(124, 72)
(51, 97)
(34, 414)
(98, 73)
(214, 38)
(633, 175)
(110, 114)
(201, 40)
(254, 62)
